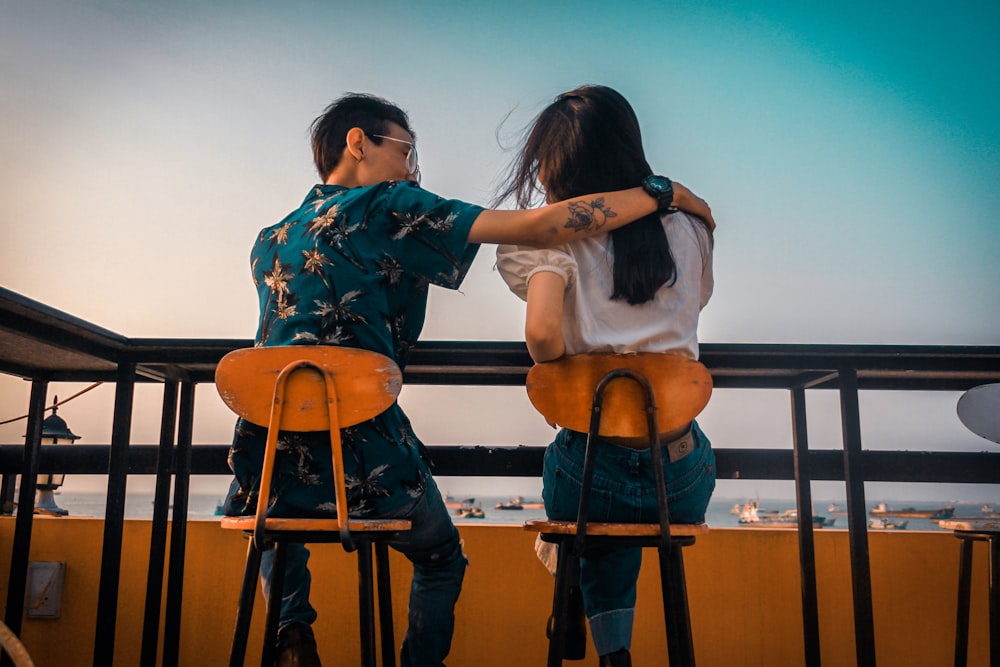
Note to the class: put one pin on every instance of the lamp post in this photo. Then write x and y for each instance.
(55, 431)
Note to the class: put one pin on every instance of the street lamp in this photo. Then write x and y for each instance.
(55, 431)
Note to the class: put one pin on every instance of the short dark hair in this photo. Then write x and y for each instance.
(329, 131)
(588, 141)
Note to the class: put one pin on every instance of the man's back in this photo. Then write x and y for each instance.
(351, 267)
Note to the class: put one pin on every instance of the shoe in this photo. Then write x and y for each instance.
(296, 647)
(575, 647)
(620, 658)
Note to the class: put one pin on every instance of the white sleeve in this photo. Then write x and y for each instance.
(517, 264)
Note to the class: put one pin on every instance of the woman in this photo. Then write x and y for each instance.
(638, 289)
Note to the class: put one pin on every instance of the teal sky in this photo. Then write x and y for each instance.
(850, 152)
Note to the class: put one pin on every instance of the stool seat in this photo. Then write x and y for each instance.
(615, 529)
(971, 525)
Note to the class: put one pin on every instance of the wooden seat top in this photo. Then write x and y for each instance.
(614, 529)
(563, 390)
(366, 383)
(971, 525)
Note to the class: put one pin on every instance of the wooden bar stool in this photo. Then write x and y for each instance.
(311, 388)
(632, 399)
(979, 409)
(969, 531)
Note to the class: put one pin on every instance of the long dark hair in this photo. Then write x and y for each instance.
(588, 141)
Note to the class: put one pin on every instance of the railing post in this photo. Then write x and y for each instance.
(178, 533)
(114, 517)
(158, 534)
(807, 547)
(17, 582)
(857, 519)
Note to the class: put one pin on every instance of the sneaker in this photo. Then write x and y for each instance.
(296, 647)
(620, 658)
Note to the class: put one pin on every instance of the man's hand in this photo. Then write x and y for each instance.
(689, 202)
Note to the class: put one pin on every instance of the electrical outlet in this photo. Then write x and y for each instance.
(43, 597)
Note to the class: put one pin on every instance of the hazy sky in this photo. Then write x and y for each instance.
(850, 153)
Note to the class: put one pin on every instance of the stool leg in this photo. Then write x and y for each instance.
(385, 605)
(962, 618)
(274, 596)
(244, 612)
(560, 604)
(680, 645)
(366, 602)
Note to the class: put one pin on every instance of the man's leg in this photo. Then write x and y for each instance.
(435, 549)
(296, 643)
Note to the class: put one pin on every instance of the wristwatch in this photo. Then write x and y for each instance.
(661, 189)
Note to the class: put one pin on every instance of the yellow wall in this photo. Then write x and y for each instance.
(743, 586)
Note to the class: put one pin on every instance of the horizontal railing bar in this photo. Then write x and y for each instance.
(526, 461)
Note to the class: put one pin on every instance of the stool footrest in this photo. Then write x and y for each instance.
(615, 529)
(317, 525)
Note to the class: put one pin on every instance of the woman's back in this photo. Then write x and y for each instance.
(593, 321)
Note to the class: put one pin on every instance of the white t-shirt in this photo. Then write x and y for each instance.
(592, 321)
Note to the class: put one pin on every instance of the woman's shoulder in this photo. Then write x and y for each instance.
(686, 226)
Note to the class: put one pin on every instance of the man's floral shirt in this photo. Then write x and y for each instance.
(350, 267)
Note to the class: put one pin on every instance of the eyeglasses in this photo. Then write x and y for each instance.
(411, 156)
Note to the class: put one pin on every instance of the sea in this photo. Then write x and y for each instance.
(722, 512)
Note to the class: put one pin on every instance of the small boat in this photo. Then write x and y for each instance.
(514, 504)
(218, 508)
(879, 523)
(457, 505)
(834, 508)
(882, 510)
(530, 504)
(753, 515)
(470, 511)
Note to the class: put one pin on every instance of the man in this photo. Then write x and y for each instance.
(351, 266)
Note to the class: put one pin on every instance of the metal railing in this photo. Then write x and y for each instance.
(46, 346)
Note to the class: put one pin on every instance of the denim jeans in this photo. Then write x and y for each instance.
(434, 548)
(623, 491)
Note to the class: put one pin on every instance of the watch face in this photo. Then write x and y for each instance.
(657, 184)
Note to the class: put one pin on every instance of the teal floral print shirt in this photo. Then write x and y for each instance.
(350, 267)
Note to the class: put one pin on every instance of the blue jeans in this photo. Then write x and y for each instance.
(434, 548)
(623, 491)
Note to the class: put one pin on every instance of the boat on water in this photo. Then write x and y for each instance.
(530, 504)
(879, 523)
(451, 503)
(753, 515)
(834, 508)
(882, 510)
(513, 504)
(469, 510)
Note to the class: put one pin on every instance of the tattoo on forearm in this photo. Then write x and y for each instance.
(589, 216)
